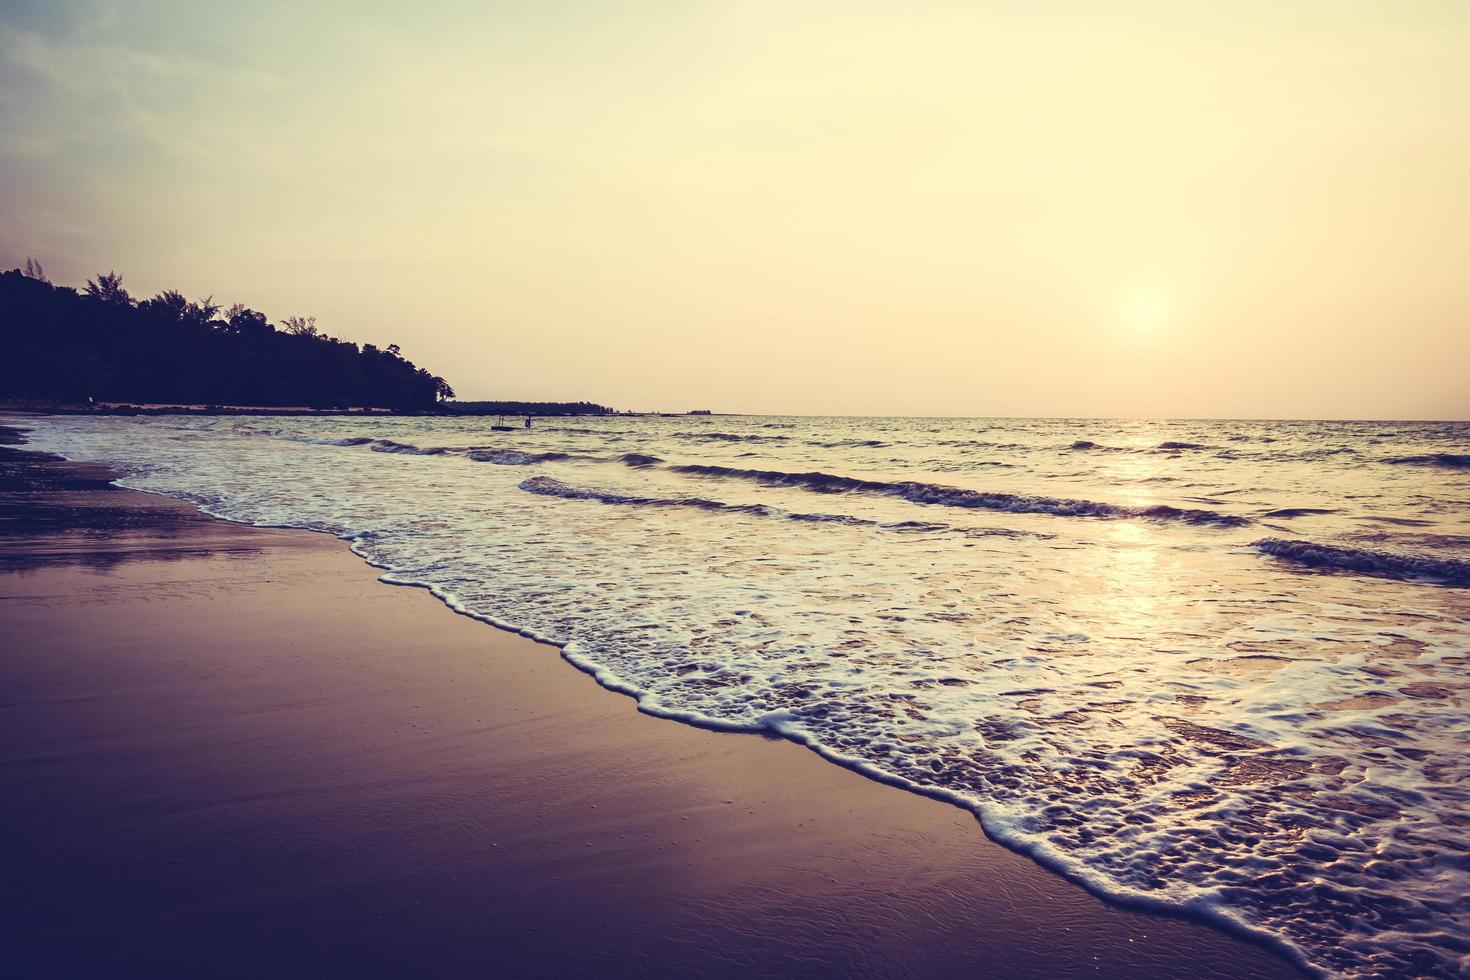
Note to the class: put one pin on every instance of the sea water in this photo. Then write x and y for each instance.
(1222, 667)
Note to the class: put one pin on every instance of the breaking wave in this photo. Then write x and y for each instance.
(550, 487)
(376, 444)
(851, 444)
(403, 448)
(349, 441)
(943, 496)
(1363, 561)
(1167, 446)
(728, 437)
(515, 457)
(1454, 461)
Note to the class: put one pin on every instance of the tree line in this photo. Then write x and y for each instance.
(99, 343)
(526, 408)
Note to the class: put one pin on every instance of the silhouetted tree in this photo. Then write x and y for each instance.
(243, 321)
(300, 326)
(527, 408)
(169, 303)
(33, 270)
(64, 345)
(204, 311)
(108, 288)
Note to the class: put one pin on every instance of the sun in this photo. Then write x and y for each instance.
(1145, 311)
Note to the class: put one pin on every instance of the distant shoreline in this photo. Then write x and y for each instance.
(131, 408)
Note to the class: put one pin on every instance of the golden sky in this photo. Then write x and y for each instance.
(982, 208)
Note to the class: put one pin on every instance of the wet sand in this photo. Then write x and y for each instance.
(231, 751)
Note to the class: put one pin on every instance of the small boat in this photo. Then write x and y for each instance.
(500, 426)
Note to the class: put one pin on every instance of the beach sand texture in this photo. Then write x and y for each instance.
(230, 751)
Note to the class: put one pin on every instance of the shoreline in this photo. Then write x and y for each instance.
(129, 409)
(830, 872)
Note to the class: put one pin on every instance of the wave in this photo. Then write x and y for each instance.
(406, 449)
(516, 457)
(318, 441)
(851, 444)
(1364, 561)
(755, 437)
(583, 430)
(550, 487)
(729, 437)
(964, 466)
(1314, 455)
(939, 495)
(1175, 447)
(520, 457)
(1168, 446)
(847, 519)
(1454, 461)
(1299, 511)
(1087, 445)
(377, 444)
(480, 454)
(1396, 521)
(978, 444)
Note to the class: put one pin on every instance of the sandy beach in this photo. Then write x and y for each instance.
(231, 751)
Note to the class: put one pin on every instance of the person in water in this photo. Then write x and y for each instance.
(528, 421)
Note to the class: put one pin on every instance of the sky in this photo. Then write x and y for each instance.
(1042, 208)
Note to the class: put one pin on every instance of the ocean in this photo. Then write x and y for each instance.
(1219, 667)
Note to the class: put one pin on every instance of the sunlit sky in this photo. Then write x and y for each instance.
(971, 208)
